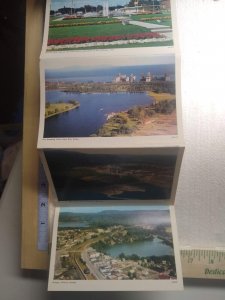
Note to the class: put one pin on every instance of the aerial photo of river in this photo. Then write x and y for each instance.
(100, 92)
(134, 242)
(142, 249)
(92, 113)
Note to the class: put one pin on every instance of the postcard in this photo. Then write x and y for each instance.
(113, 175)
(108, 24)
(115, 248)
(110, 134)
(97, 100)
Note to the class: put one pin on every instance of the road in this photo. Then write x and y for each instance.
(93, 269)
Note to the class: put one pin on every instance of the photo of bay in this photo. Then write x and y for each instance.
(117, 175)
(114, 243)
(125, 97)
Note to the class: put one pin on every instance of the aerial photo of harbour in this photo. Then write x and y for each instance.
(128, 96)
(117, 176)
(102, 24)
(114, 243)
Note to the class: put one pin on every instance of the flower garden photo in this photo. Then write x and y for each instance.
(102, 24)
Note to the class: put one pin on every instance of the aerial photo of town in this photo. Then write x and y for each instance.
(114, 243)
(101, 24)
(128, 96)
(106, 176)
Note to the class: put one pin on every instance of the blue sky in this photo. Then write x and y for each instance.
(100, 62)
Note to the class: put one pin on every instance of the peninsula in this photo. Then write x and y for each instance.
(53, 109)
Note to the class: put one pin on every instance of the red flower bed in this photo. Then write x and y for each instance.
(83, 40)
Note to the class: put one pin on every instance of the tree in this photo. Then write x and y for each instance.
(122, 256)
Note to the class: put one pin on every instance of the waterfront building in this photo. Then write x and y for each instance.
(120, 78)
(148, 77)
(125, 78)
(167, 77)
(132, 78)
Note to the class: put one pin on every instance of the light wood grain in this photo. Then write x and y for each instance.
(31, 258)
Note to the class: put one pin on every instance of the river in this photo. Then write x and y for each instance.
(73, 225)
(92, 113)
(155, 247)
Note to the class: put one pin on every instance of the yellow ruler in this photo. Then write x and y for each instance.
(203, 263)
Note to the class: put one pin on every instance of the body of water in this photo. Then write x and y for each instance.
(67, 190)
(73, 225)
(92, 113)
(156, 247)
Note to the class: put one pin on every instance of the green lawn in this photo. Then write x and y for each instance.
(95, 30)
(81, 20)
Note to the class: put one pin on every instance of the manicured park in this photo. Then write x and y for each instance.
(68, 30)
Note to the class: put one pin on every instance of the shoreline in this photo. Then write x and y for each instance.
(157, 119)
(166, 88)
(161, 96)
(61, 112)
